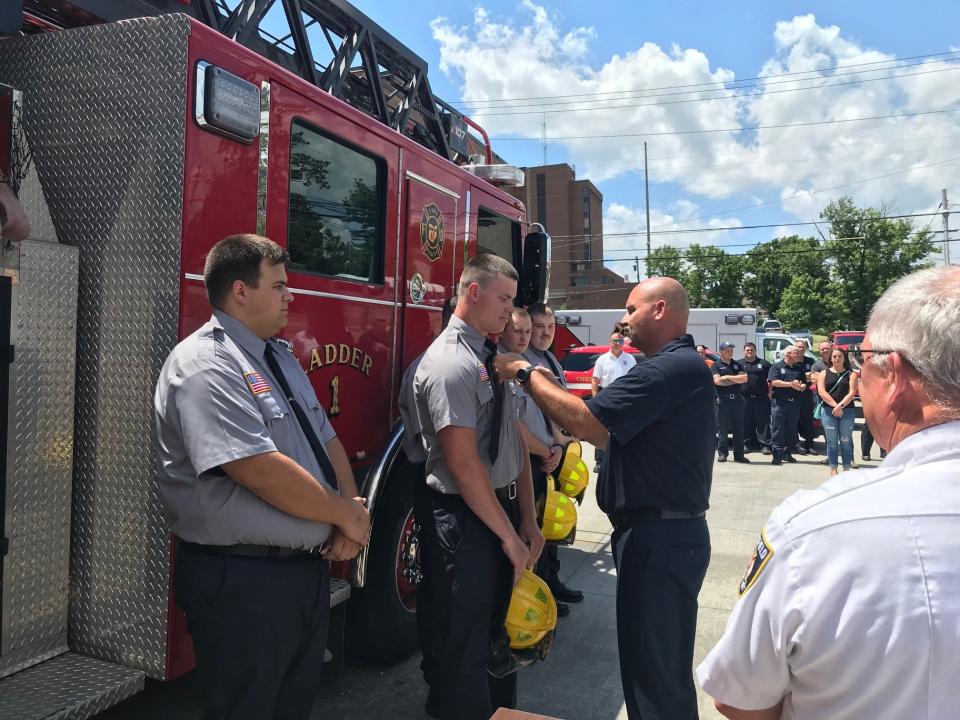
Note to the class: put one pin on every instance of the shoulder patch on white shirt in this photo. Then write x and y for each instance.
(761, 556)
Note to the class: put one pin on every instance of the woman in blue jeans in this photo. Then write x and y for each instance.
(837, 387)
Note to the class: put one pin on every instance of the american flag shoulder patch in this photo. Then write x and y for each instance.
(258, 386)
(484, 375)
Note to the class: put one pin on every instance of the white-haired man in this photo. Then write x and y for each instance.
(788, 383)
(848, 607)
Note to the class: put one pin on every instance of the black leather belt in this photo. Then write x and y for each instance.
(756, 395)
(507, 492)
(625, 517)
(255, 551)
(728, 396)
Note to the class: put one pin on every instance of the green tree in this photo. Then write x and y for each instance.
(667, 261)
(868, 254)
(809, 302)
(770, 268)
(713, 276)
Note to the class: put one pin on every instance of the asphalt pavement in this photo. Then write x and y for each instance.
(581, 678)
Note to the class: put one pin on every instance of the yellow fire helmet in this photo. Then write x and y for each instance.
(532, 613)
(572, 475)
(559, 516)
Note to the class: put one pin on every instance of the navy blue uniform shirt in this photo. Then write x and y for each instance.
(726, 368)
(781, 371)
(663, 433)
(756, 376)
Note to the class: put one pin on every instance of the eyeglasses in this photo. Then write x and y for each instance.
(616, 342)
(858, 353)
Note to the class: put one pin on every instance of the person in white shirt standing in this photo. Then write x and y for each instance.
(611, 365)
(848, 607)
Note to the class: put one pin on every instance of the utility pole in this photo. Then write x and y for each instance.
(946, 228)
(646, 193)
(636, 265)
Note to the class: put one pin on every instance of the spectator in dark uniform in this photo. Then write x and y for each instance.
(805, 426)
(728, 377)
(787, 383)
(658, 426)
(756, 399)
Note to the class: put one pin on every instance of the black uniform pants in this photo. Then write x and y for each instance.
(756, 420)
(259, 629)
(660, 569)
(729, 420)
(805, 421)
(461, 604)
(784, 416)
(548, 566)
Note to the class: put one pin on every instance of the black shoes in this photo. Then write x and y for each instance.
(562, 609)
(721, 458)
(563, 594)
(866, 458)
(801, 451)
(776, 460)
(742, 460)
(790, 459)
(767, 451)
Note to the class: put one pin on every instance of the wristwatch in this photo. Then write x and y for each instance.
(524, 373)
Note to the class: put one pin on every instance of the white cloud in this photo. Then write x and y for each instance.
(804, 166)
(624, 229)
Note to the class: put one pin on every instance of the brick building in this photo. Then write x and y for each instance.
(571, 210)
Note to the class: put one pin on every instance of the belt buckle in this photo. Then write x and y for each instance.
(512, 490)
(315, 551)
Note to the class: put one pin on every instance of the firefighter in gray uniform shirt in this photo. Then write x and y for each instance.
(249, 471)
(476, 509)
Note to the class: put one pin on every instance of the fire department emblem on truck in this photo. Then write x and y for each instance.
(431, 232)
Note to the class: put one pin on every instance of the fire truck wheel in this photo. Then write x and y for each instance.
(383, 614)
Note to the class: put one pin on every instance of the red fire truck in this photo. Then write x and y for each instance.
(137, 135)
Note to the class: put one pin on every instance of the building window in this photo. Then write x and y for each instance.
(586, 210)
(337, 202)
(588, 248)
(542, 199)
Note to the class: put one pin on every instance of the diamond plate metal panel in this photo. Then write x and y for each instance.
(104, 111)
(69, 687)
(39, 456)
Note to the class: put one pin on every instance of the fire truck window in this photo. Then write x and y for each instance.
(498, 235)
(336, 208)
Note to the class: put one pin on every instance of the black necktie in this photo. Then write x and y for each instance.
(491, 349)
(326, 467)
(557, 372)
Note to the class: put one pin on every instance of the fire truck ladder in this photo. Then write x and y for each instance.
(328, 43)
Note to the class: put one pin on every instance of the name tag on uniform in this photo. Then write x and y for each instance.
(783, 371)
(258, 386)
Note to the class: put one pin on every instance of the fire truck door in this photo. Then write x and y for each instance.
(332, 194)
(433, 256)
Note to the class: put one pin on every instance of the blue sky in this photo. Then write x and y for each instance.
(503, 52)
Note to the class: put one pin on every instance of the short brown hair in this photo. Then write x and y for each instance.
(238, 257)
(540, 310)
(482, 269)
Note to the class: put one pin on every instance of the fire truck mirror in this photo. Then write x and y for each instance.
(226, 103)
(535, 274)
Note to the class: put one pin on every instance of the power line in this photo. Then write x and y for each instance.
(764, 93)
(584, 236)
(822, 190)
(730, 130)
(718, 255)
(903, 60)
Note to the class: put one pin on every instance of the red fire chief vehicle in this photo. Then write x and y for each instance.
(136, 135)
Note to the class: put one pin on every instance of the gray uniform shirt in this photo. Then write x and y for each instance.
(412, 443)
(451, 388)
(217, 401)
(531, 415)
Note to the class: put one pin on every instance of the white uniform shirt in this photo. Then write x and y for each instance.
(609, 367)
(850, 607)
